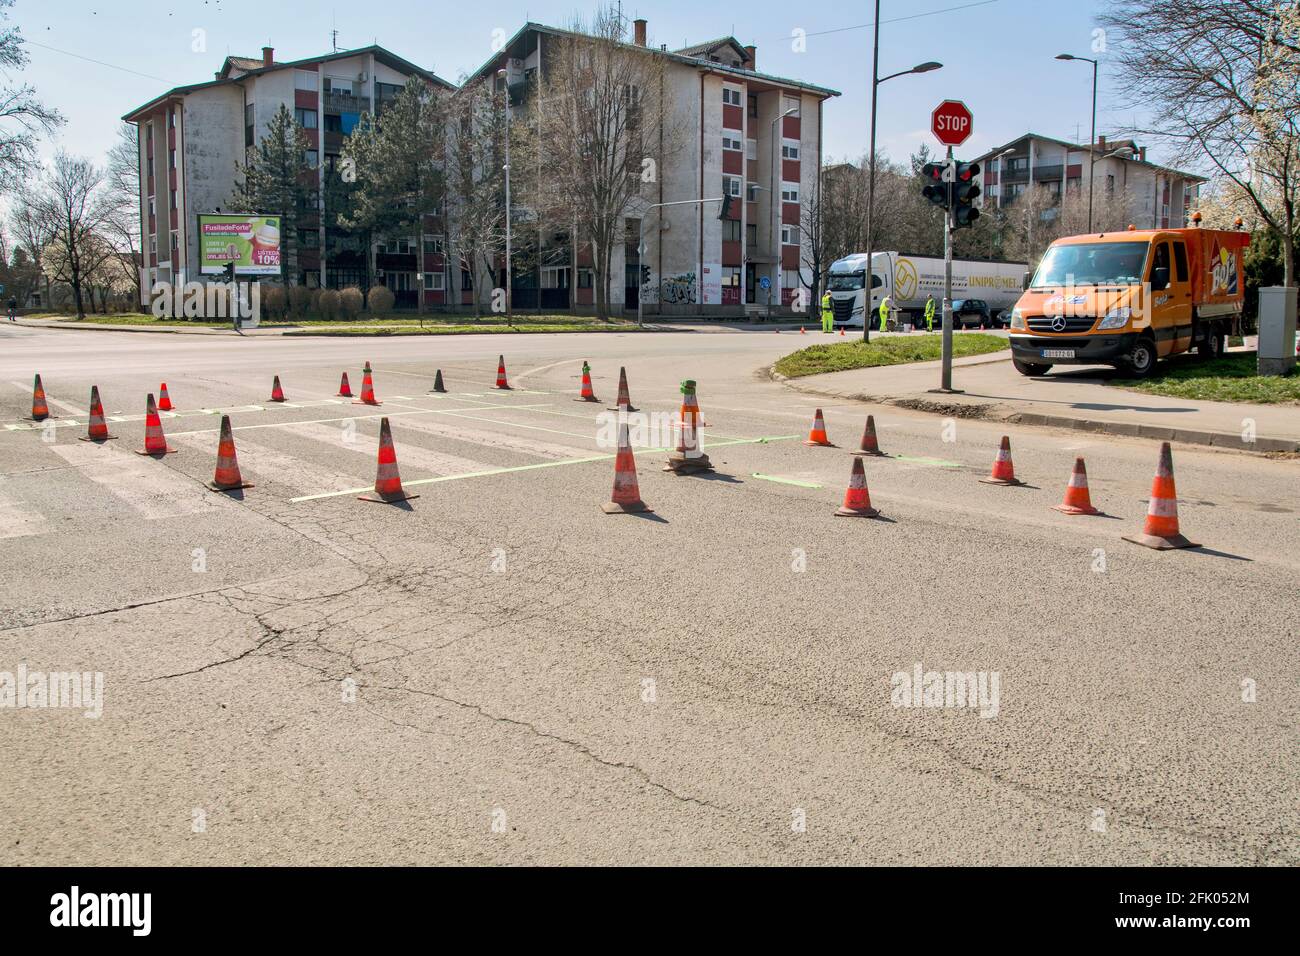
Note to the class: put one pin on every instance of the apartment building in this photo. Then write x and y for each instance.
(750, 135)
(191, 137)
(1158, 197)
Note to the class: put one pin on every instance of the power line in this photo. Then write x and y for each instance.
(78, 56)
(913, 16)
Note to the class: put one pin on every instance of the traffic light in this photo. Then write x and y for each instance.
(936, 190)
(965, 189)
(228, 273)
(726, 206)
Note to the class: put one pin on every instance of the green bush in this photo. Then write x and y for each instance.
(274, 300)
(329, 305)
(380, 299)
(350, 302)
(299, 300)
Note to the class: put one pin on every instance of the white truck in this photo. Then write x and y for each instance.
(908, 279)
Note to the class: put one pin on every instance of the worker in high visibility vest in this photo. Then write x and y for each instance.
(885, 305)
(828, 314)
(929, 313)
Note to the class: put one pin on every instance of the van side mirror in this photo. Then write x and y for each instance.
(1024, 282)
(1159, 278)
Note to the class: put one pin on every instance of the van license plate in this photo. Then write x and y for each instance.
(1058, 353)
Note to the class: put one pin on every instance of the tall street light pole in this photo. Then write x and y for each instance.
(1092, 143)
(876, 80)
(505, 91)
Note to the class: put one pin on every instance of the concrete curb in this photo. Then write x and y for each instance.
(996, 411)
(331, 334)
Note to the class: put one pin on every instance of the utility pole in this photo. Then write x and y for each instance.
(950, 174)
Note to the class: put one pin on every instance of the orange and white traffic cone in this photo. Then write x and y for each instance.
(841, 332)
(437, 382)
(277, 393)
(689, 457)
(857, 498)
(802, 330)
(155, 443)
(97, 430)
(870, 445)
(1004, 470)
(1077, 501)
(367, 389)
(40, 408)
(1161, 528)
(501, 374)
(627, 495)
(345, 389)
(586, 394)
(691, 404)
(817, 435)
(164, 400)
(624, 400)
(227, 476)
(388, 483)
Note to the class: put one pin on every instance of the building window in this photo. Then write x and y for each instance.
(731, 276)
(309, 238)
(311, 157)
(790, 150)
(153, 245)
(249, 123)
(150, 167)
(730, 186)
(753, 107)
(789, 192)
(466, 281)
(306, 118)
(789, 236)
(730, 97)
(433, 244)
(171, 119)
(152, 210)
(176, 240)
(555, 277)
(730, 142)
(731, 230)
(789, 103)
(434, 282)
(584, 278)
(751, 234)
(171, 158)
(173, 192)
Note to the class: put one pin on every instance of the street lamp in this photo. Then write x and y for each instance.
(775, 223)
(505, 89)
(876, 80)
(1093, 141)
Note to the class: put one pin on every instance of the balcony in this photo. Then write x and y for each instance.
(1043, 173)
(339, 102)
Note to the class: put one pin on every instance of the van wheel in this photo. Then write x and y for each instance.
(1211, 346)
(1142, 360)
(1030, 368)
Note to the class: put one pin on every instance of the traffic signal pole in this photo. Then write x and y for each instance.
(950, 174)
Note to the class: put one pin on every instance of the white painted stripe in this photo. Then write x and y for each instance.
(147, 486)
(411, 458)
(50, 400)
(18, 520)
(261, 463)
(497, 439)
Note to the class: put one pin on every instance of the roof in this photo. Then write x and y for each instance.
(675, 56)
(1083, 148)
(704, 49)
(387, 57)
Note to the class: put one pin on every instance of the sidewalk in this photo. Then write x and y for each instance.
(1064, 398)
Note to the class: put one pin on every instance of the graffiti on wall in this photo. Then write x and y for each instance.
(676, 290)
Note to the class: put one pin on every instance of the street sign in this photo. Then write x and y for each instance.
(951, 122)
(764, 283)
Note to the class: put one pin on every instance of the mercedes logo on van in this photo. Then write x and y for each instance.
(1058, 324)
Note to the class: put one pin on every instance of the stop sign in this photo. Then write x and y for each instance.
(951, 122)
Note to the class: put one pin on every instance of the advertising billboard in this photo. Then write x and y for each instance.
(252, 243)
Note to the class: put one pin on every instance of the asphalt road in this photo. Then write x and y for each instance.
(539, 682)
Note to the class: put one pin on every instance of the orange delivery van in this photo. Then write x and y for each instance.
(1129, 298)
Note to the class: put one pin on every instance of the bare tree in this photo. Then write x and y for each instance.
(1220, 78)
(122, 204)
(71, 203)
(22, 115)
(32, 231)
(597, 103)
(475, 182)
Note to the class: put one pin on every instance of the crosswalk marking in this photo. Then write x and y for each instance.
(149, 487)
(494, 439)
(18, 520)
(411, 458)
(262, 463)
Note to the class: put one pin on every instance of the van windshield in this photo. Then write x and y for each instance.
(1093, 263)
(847, 282)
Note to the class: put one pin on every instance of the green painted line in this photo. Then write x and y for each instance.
(786, 481)
(544, 464)
(936, 462)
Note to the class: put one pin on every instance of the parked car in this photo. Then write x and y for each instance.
(970, 312)
(1002, 320)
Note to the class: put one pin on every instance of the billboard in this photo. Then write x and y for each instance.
(251, 242)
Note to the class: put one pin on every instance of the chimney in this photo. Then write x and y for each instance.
(1101, 144)
(638, 32)
(268, 56)
(1142, 154)
(750, 53)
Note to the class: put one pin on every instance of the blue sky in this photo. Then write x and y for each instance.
(997, 54)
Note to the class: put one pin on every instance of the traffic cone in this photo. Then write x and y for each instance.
(624, 400)
(1076, 500)
(155, 443)
(227, 476)
(437, 382)
(388, 483)
(586, 394)
(277, 393)
(691, 404)
(1161, 528)
(689, 457)
(345, 389)
(627, 495)
(802, 330)
(857, 499)
(501, 374)
(841, 332)
(817, 435)
(40, 409)
(164, 400)
(97, 430)
(1004, 471)
(870, 445)
(367, 389)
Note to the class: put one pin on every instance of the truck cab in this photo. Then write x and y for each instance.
(847, 284)
(1128, 299)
